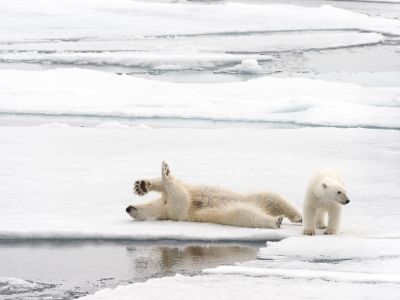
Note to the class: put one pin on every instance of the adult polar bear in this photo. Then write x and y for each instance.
(183, 202)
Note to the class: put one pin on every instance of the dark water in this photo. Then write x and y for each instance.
(66, 270)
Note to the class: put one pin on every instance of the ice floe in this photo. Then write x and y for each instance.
(10, 285)
(298, 101)
(101, 19)
(246, 66)
(232, 287)
(75, 183)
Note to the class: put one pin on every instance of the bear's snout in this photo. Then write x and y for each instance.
(345, 201)
(130, 208)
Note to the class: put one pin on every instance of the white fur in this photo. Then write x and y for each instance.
(324, 197)
(183, 202)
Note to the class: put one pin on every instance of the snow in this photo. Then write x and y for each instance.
(338, 248)
(125, 19)
(112, 125)
(308, 274)
(297, 101)
(230, 287)
(246, 66)
(337, 258)
(54, 125)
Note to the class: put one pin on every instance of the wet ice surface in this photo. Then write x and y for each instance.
(208, 41)
(65, 270)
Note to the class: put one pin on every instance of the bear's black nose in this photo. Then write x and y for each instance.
(130, 208)
(347, 201)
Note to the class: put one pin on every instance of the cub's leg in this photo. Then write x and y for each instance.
(237, 216)
(334, 216)
(320, 219)
(275, 205)
(178, 197)
(143, 186)
(309, 213)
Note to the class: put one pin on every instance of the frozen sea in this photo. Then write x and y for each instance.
(249, 95)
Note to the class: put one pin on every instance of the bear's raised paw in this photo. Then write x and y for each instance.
(141, 187)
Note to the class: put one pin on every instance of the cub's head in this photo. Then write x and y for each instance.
(333, 191)
(149, 211)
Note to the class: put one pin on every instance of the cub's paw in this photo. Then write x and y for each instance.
(329, 232)
(308, 231)
(279, 221)
(141, 187)
(165, 170)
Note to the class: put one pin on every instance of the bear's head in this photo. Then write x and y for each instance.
(333, 191)
(154, 210)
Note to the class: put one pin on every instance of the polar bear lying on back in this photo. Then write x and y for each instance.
(183, 202)
(325, 196)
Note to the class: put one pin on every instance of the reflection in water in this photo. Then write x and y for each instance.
(166, 260)
(68, 270)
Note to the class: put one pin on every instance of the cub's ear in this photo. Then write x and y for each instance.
(324, 185)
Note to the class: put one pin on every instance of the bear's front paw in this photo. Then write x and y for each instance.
(321, 226)
(329, 232)
(309, 231)
(279, 221)
(141, 187)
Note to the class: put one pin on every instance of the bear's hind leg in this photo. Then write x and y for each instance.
(174, 189)
(238, 216)
(275, 205)
(177, 194)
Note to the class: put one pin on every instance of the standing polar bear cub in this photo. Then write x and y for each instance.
(183, 202)
(325, 195)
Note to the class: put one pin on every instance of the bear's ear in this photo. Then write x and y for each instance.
(324, 185)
